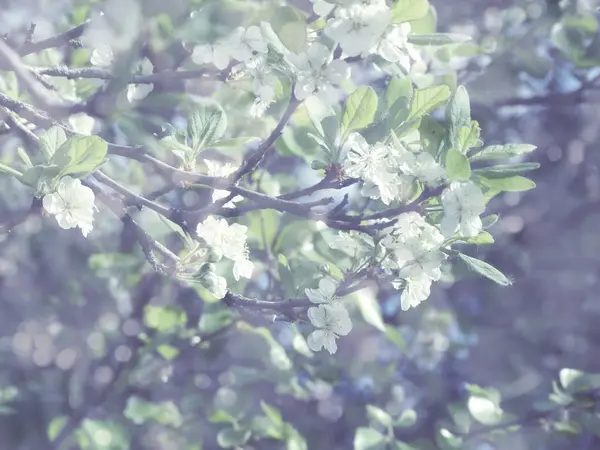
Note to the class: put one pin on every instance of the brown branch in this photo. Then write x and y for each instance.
(56, 41)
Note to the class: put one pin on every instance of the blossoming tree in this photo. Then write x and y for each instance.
(285, 165)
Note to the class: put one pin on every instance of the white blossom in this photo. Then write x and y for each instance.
(218, 169)
(318, 73)
(102, 56)
(263, 78)
(136, 92)
(415, 247)
(217, 53)
(325, 293)
(416, 290)
(393, 46)
(331, 322)
(358, 27)
(82, 123)
(372, 164)
(351, 242)
(463, 202)
(72, 204)
(242, 268)
(322, 7)
(245, 42)
(229, 241)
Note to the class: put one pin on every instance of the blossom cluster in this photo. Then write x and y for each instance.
(389, 172)
(330, 317)
(361, 28)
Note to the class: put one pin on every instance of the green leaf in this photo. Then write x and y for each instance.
(483, 238)
(214, 318)
(510, 184)
(359, 110)
(506, 170)
(426, 100)
(458, 115)
(396, 338)
(51, 141)
(273, 414)
(398, 97)
(55, 427)
(206, 125)
(494, 152)
(448, 441)
(40, 178)
(369, 308)
(368, 439)
(484, 410)
(168, 352)
(7, 169)
(290, 27)
(457, 166)
(409, 10)
(398, 88)
(229, 437)
(407, 419)
(80, 155)
(567, 426)
(379, 415)
(467, 137)
(575, 381)
(163, 318)
(489, 221)
(295, 440)
(437, 39)
(485, 269)
(140, 411)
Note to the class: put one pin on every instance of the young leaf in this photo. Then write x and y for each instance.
(484, 410)
(489, 221)
(506, 170)
(206, 125)
(457, 166)
(51, 141)
(458, 113)
(229, 437)
(359, 110)
(290, 27)
(407, 419)
(485, 269)
(426, 100)
(409, 10)
(379, 415)
(493, 152)
(369, 308)
(368, 439)
(80, 155)
(510, 184)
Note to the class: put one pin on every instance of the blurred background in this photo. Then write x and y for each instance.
(534, 78)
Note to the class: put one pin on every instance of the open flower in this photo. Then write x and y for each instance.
(229, 241)
(463, 202)
(72, 204)
(358, 27)
(331, 322)
(416, 290)
(325, 293)
(218, 169)
(318, 73)
(245, 42)
(217, 53)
